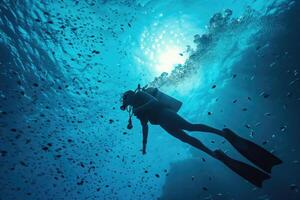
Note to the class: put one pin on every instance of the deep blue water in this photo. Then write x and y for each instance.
(64, 65)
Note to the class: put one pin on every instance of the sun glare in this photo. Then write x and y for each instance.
(168, 58)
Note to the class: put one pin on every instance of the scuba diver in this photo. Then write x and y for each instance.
(152, 105)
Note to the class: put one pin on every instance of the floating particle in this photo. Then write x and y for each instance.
(263, 94)
(295, 162)
(3, 153)
(23, 164)
(257, 124)
(80, 182)
(272, 64)
(247, 126)
(283, 128)
(252, 133)
(45, 148)
(267, 114)
(294, 187)
(294, 81)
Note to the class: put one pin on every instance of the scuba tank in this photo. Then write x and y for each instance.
(163, 98)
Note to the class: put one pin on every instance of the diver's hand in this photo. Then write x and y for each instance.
(143, 151)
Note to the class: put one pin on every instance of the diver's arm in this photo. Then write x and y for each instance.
(145, 135)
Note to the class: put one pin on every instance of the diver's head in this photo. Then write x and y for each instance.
(127, 99)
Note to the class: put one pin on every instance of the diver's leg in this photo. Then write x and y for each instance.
(203, 128)
(253, 175)
(176, 121)
(181, 135)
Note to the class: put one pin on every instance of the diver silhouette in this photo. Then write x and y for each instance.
(151, 105)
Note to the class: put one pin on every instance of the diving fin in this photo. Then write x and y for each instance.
(252, 174)
(253, 152)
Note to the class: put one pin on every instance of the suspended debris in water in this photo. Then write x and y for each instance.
(294, 81)
(247, 126)
(257, 124)
(283, 128)
(294, 187)
(265, 95)
(267, 114)
(3, 153)
(252, 133)
(296, 162)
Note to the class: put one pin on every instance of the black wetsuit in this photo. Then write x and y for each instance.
(152, 115)
(175, 125)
